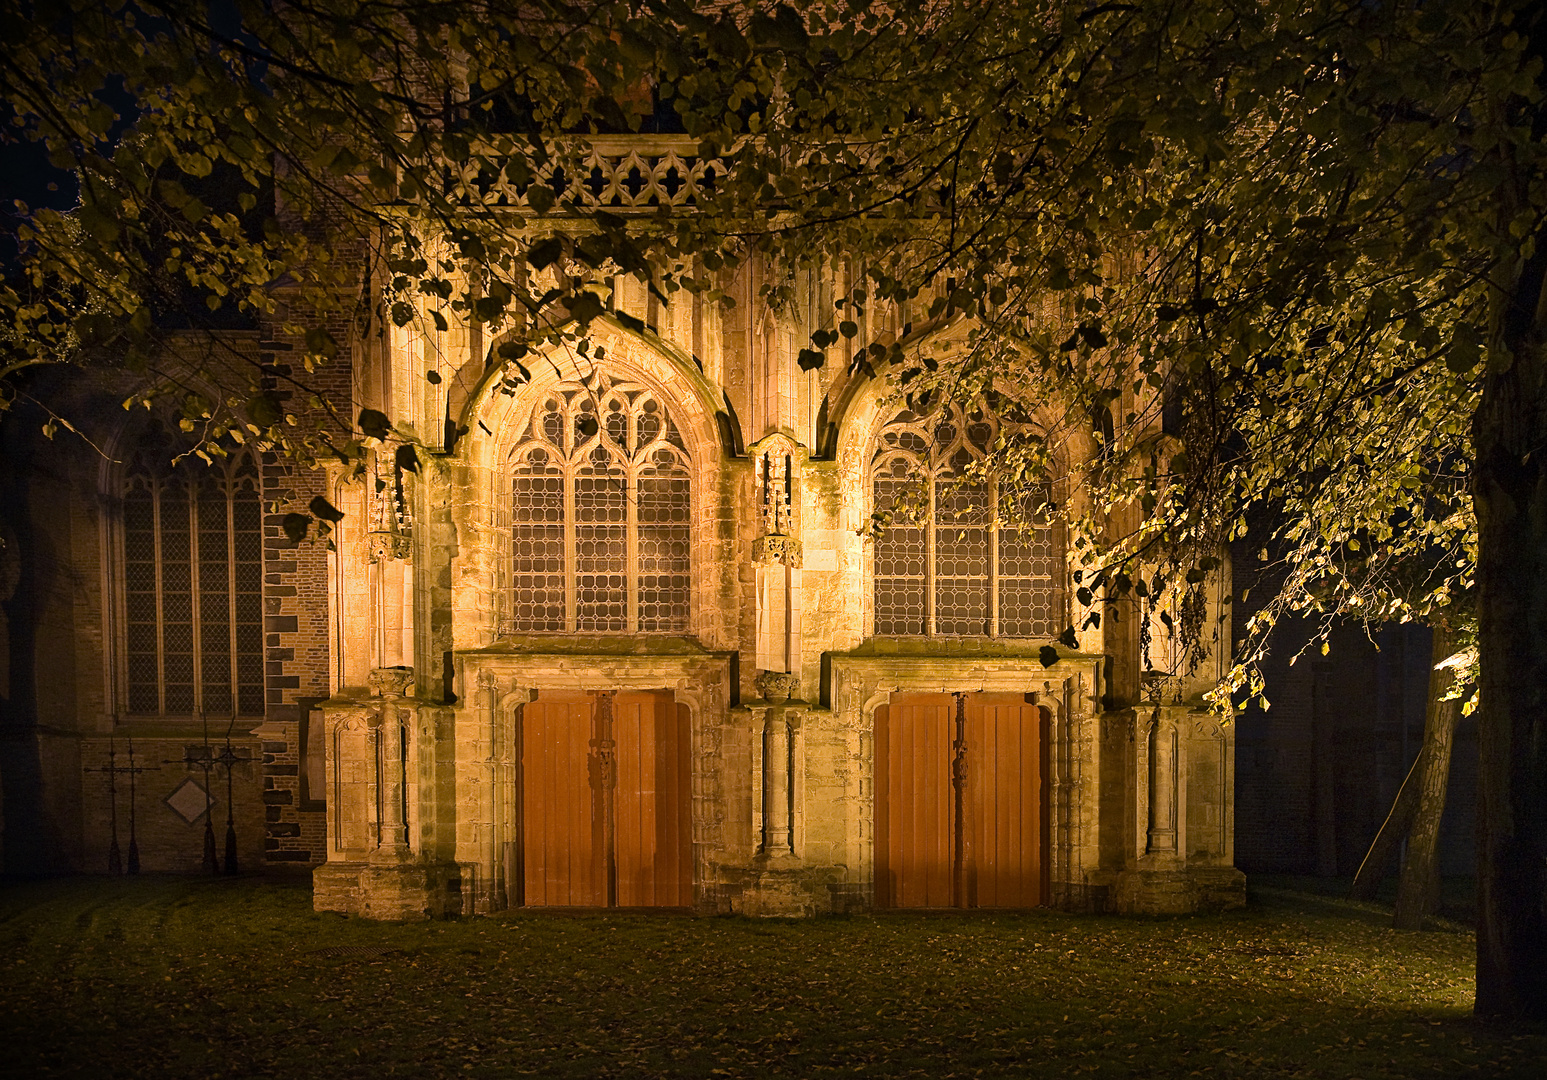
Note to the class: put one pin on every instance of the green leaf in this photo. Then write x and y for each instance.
(324, 510)
(321, 343)
(545, 253)
(296, 526)
(406, 459)
(264, 409)
(375, 424)
(1048, 655)
(584, 306)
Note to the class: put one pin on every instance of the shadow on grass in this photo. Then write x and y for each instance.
(171, 977)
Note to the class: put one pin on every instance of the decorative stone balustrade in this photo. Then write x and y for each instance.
(618, 172)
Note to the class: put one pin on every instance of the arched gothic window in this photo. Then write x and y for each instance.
(600, 514)
(193, 586)
(946, 565)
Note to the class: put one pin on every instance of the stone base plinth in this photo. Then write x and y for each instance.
(336, 887)
(1220, 888)
(389, 890)
(1178, 890)
(784, 888)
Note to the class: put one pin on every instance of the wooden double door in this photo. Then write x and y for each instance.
(604, 801)
(961, 803)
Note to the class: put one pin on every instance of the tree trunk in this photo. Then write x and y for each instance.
(1418, 889)
(1398, 821)
(1509, 432)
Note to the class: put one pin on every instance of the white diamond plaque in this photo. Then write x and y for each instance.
(189, 800)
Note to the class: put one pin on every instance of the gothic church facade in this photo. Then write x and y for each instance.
(616, 636)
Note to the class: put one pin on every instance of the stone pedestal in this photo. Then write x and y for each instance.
(1163, 891)
(1178, 890)
(407, 891)
(782, 889)
(1220, 888)
(336, 887)
(396, 890)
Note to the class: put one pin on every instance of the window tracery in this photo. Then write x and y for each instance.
(945, 563)
(600, 514)
(193, 579)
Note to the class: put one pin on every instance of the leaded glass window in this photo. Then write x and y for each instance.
(600, 514)
(193, 588)
(946, 562)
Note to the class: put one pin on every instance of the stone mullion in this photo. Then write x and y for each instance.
(571, 567)
(993, 560)
(630, 550)
(161, 622)
(195, 598)
(929, 561)
(229, 490)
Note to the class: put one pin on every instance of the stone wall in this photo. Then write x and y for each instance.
(169, 798)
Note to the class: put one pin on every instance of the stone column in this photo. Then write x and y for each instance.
(392, 684)
(1161, 839)
(488, 691)
(395, 883)
(777, 786)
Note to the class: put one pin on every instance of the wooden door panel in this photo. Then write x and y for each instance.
(914, 820)
(1002, 798)
(561, 861)
(583, 822)
(975, 840)
(653, 841)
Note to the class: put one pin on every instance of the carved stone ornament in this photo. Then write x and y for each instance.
(776, 548)
(1115, 726)
(777, 685)
(355, 717)
(384, 544)
(392, 681)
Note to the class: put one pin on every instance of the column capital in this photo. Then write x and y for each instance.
(393, 682)
(777, 685)
(777, 548)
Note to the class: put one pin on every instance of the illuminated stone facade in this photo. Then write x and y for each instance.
(657, 555)
(680, 511)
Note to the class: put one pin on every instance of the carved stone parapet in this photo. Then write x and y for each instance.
(391, 681)
(776, 548)
(777, 685)
(384, 544)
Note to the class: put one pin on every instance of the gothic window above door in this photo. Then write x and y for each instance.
(947, 562)
(192, 577)
(600, 514)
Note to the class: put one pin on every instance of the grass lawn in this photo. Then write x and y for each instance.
(172, 977)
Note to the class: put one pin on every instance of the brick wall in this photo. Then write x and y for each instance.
(169, 842)
(297, 650)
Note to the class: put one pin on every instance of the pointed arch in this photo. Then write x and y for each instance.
(585, 483)
(493, 412)
(600, 512)
(949, 561)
